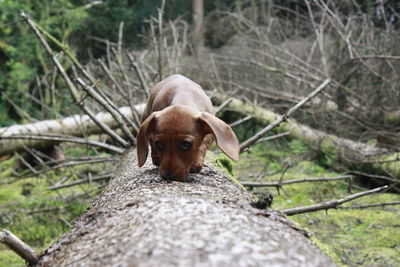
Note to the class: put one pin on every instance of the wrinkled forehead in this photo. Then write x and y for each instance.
(176, 121)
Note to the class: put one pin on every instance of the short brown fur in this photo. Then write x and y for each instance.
(179, 126)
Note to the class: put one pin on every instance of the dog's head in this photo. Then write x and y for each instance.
(176, 134)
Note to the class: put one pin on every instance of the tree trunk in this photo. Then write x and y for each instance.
(141, 220)
(77, 125)
(198, 35)
(352, 154)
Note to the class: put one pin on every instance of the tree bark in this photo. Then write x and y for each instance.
(77, 125)
(141, 220)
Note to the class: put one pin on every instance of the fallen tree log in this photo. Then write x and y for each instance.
(77, 125)
(141, 220)
(351, 154)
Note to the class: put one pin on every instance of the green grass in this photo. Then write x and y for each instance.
(34, 213)
(352, 237)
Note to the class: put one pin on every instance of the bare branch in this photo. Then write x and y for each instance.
(296, 181)
(222, 106)
(18, 246)
(83, 181)
(283, 118)
(73, 90)
(383, 204)
(61, 138)
(112, 109)
(332, 203)
(244, 119)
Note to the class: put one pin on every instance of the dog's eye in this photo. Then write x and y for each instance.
(159, 145)
(186, 145)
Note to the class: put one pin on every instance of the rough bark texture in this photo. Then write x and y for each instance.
(141, 220)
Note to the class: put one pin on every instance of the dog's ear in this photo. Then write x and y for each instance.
(142, 140)
(224, 136)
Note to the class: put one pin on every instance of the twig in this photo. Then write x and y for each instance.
(113, 111)
(18, 246)
(139, 74)
(273, 137)
(75, 162)
(296, 181)
(111, 77)
(134, 124)
(236, 123)
(61, 138)
(73, 90)
(332, 203)
(278, 121)
(222, 106)
(83, 181)
(373, 205)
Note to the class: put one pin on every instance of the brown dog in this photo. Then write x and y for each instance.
(179, 126)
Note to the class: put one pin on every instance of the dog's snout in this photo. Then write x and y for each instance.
(169, 176)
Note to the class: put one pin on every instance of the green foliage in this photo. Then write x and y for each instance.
(22, 57)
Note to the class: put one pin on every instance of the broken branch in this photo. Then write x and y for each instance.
(283, 118)
(333, 203)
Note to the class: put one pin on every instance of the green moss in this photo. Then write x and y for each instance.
(226, 164)
(36, 214)
(9, 258)
(351, 237)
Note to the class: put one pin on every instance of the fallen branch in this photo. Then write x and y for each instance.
(72, 163)
(110, 108)
(244, 119)
(373, 205)
(59, 138)
(83, 181)
(77, 125)
(18, 246)
(139, 74)
(283, 118)
(333, 203)
(222, 106)
(350, 154)
(73, 90)
(296, 181)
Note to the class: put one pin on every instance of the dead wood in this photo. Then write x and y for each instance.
(333, 204)
(283, 118)
(70, 85)
(351, 154)
(15, 137)
(141, 220)
(18, 246)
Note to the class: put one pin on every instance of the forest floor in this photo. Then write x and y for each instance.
(352, 237)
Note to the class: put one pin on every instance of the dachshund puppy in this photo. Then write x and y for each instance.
(179, 126)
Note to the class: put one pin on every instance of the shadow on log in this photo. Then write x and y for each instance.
(141, 220)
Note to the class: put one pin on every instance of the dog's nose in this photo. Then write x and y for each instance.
(169, 176)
